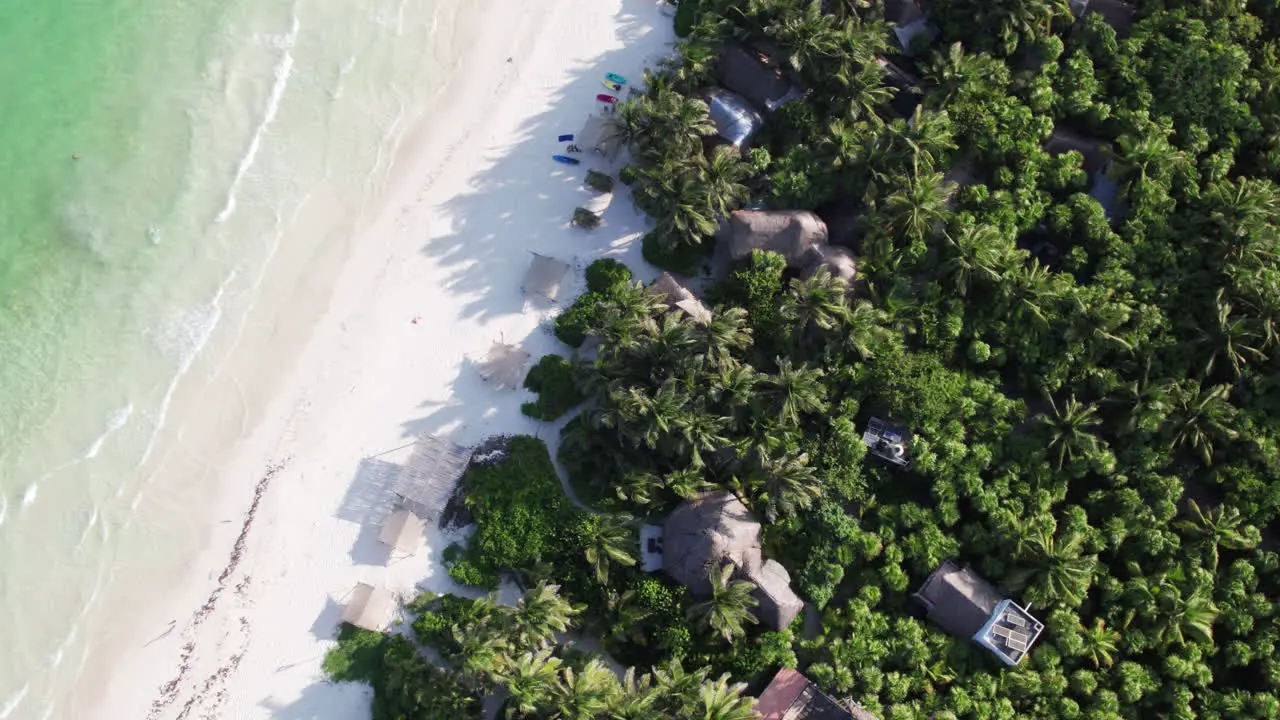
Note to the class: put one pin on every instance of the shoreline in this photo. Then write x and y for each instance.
(445, 248)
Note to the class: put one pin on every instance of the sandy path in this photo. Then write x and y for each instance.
(425, 291)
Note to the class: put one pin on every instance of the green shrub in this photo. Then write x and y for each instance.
(599, 181)
(686, 17)
(518, 505)
(681, 259)
(553, 379)
(573, 324)
(605, 273)
(465, 573)
(627, 175)
(584, 218)
(357, 657)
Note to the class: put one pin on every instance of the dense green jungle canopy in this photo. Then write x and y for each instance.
(1093, 392)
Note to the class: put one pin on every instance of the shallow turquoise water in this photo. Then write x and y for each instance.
(156, 155)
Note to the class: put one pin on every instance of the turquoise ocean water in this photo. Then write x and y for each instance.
(157, 159)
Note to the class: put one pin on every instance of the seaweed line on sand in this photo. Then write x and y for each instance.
(169, 691)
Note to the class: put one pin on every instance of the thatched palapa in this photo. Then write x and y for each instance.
(791, 233)
(600, 134)
(705, 533)
(402, 531)
(429, 478)
(504, 365)
(839, 261)
(369, 608)
(958, 599)
(677, 297)
(544, 276)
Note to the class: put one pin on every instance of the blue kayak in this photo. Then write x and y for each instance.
(565, 138)
(565, 159)
(615, 77)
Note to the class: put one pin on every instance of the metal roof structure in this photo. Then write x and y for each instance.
(544, 276)
(735, 120)
(369, 608)
(1009, 632)
(887, 441)
(503, 366)
(429, 478)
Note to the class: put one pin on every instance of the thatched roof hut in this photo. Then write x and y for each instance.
(600, 134)
(735, 120)
(958, 599)
(503, 366)
(678, 297)
(544, 275)
(744, 72)
(716, 528)
(369, 608)
(402, 531)
(839, 261)
(791, 233)
(428, 480)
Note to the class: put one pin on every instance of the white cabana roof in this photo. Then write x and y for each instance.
(601, 134)
(402, 531)
(544, 276)
(369, 608)
(504, 365)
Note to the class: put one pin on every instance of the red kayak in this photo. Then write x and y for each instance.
(606, 98)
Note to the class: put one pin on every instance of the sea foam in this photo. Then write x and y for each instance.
(282, 72)
(114, 423)
(13, 701)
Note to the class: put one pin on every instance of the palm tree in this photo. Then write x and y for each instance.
(542, 613)
(678, 690)
(611, 541)
(1233, 338)
(728, 610)
(1198, 416)
(816, 304)
(1071, 430)
(1144, 158)
(1052, 569)
(722, 181)
(864, 329)
(1245, 213)
(917, 205)
(1179, 616)
(530, 681)
(723, 701)
(793, 390)
(715, 341)
(585, 694)
(1220, 527)
(636, 699)
(701, 432)
(1146, 401)
(733, 388)
(976, 253)
(955, 74)
(1100, 643)
(781, 485)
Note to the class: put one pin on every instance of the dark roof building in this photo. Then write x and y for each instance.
(746, 73)
(911, 26)
(713, 529)
(906, 87)
(790, 696)
(967, 606)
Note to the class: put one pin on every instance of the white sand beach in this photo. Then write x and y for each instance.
(310, 413)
